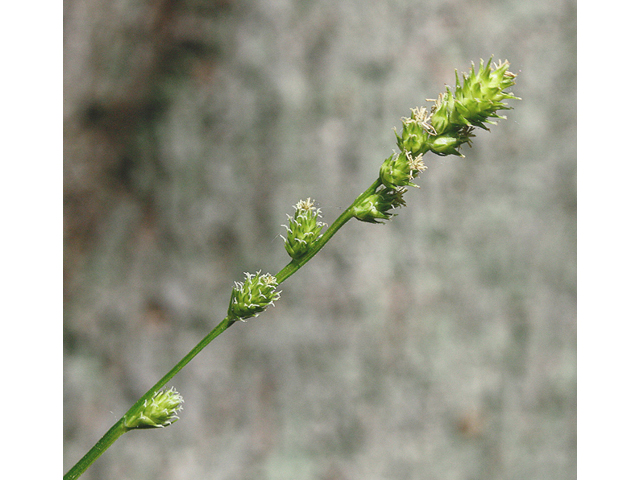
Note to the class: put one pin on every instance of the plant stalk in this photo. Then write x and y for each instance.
(98, 449)
(119, 429)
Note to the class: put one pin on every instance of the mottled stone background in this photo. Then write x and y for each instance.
(441, 345)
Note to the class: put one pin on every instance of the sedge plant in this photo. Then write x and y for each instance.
(441, 129)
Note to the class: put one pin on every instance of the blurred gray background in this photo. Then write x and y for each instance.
(441, 345)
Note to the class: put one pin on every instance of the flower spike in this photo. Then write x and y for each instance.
(475, 102)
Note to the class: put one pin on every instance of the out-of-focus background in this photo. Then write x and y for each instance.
(440, 345)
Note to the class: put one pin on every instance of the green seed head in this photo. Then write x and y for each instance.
(450, 143)
(252, 297)
(400, 170)
(413, 138)
(376, 207)
(304, 228)
(160, 411)
(480, 96)
(475, 102)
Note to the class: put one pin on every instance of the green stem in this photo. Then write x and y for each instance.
(98, 449)
(118, 428)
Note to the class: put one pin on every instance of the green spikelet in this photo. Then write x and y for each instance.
(377, 207)
(160, 411)
(481, 95)
(475, 102)
(252, 297)
(304, 228)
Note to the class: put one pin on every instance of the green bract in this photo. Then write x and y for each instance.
(253, 296)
